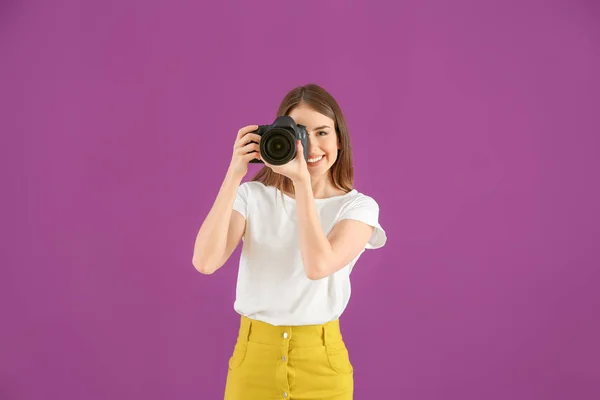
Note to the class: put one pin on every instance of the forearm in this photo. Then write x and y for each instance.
(314, 245)
(211, 240)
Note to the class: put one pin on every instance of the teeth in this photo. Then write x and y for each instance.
(312, 160)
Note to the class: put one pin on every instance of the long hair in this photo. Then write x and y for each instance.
(317, 98)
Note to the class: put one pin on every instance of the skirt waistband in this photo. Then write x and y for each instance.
(252, 330)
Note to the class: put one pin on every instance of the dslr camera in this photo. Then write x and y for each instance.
(278, 141)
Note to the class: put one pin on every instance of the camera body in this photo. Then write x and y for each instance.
(278, 141)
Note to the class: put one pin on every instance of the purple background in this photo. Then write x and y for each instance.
(473, 126)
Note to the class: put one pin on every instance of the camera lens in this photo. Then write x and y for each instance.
(277, 147)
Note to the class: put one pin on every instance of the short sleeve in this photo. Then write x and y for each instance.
(240, 203)
(366, 209)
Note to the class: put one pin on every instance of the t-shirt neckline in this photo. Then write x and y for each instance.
(326, 199)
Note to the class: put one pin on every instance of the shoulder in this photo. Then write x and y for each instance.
(252, 187)
(364, 208)
(255, 190)
(358, 200)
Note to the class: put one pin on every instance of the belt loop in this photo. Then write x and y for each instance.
(248, 331)
(324, 333)
(245, 329)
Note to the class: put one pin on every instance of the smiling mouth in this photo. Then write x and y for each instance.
(314, 160)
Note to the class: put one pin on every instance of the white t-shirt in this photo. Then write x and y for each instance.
(272, 285)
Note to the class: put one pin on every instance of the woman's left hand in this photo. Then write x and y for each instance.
(296, 169)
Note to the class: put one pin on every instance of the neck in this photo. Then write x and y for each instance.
(322, 187)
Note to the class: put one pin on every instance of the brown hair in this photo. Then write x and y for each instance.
(317, 98)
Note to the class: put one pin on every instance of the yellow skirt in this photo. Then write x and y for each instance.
(289, 362)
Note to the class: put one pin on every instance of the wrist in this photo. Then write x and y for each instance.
(233, 177)
(301, 180)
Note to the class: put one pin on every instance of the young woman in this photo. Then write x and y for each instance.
(304, 227)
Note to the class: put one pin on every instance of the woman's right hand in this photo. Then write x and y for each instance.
(244, 151)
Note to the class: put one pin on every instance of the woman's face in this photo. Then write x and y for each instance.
(322, 139)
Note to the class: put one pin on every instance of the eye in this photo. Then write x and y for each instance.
(322, 133)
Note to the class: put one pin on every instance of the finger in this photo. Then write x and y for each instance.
(244, 130)
(249, 148)
(300, 150)
(251, 156)
(249, 137)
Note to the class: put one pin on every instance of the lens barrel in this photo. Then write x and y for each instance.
(277, 146)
